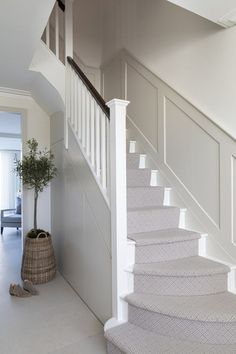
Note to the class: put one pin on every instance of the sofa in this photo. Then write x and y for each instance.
(11, 217)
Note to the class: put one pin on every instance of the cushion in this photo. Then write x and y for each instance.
(12, 218)
(18, 205)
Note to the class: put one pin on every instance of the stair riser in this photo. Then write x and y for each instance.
(144, 221)
(166, 252)
(138, 178)
(145, 197)
(180, 286)
(142, 178)
(136, 161)
(131, 146)
(112, 349)
(184, 329)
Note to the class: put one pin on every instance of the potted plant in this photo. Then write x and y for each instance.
(36, 170)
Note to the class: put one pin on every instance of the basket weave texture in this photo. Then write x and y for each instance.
(38, 262)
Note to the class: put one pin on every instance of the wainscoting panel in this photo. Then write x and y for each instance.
(111, 80)
(142, 109)
(189, 151)
(233, 196)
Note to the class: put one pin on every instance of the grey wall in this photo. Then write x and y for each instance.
(193, 55)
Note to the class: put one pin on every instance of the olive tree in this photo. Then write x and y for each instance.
(36, 170)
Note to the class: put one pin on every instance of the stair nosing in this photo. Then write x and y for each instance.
(152, 339)
(217, 268)
(158, 207)
(172, 312)
(151, 240)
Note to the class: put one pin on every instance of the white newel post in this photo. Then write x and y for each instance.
(118, 204)
(68, 53)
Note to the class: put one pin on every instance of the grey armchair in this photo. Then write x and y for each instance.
(10, 218)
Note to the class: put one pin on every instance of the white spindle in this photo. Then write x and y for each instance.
(57, 33)
(108, 157)
(87, 123)
(68, 103)
(83, 116)
(103, 151)
(80, 110)
(97, 142)
(92, 138)
(76, 104)
(48, 34)
(72, 99)
(68, 28)
(118, 204)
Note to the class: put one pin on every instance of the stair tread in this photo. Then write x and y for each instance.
(149, 208)
(136, 153)
(141, 169)
(164, 236)
(147, 187)
(185, 267)
(219, 307)
(131, 339)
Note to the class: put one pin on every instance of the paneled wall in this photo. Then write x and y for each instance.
(193, 55)
(194, 155)
(80, 224)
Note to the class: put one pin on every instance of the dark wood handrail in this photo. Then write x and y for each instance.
(96, 95)
(61, 5)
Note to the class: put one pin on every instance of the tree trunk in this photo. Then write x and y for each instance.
(35, 209)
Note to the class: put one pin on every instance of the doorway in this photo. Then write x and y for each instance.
(10, 187)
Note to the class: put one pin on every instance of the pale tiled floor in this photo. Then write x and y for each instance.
(55, 322)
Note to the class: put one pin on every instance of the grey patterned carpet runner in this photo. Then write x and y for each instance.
(180, 302)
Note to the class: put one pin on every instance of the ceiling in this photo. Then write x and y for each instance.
(222, 12)
(21, 26)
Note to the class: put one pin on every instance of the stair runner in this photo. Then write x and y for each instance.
(180, 302)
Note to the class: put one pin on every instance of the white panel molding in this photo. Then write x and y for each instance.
(220, 242)
(233, 199)
(217, 159)
(16, 92)
(143, 111)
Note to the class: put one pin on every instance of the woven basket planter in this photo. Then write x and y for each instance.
(38, 262)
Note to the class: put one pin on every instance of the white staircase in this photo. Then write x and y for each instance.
(180, 302)
(166, 298)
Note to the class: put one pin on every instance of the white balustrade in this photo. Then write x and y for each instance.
(57, 30)
(102, 139)
(91, 127)
(53, 35)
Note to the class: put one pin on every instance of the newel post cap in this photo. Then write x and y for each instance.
(117, 102)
